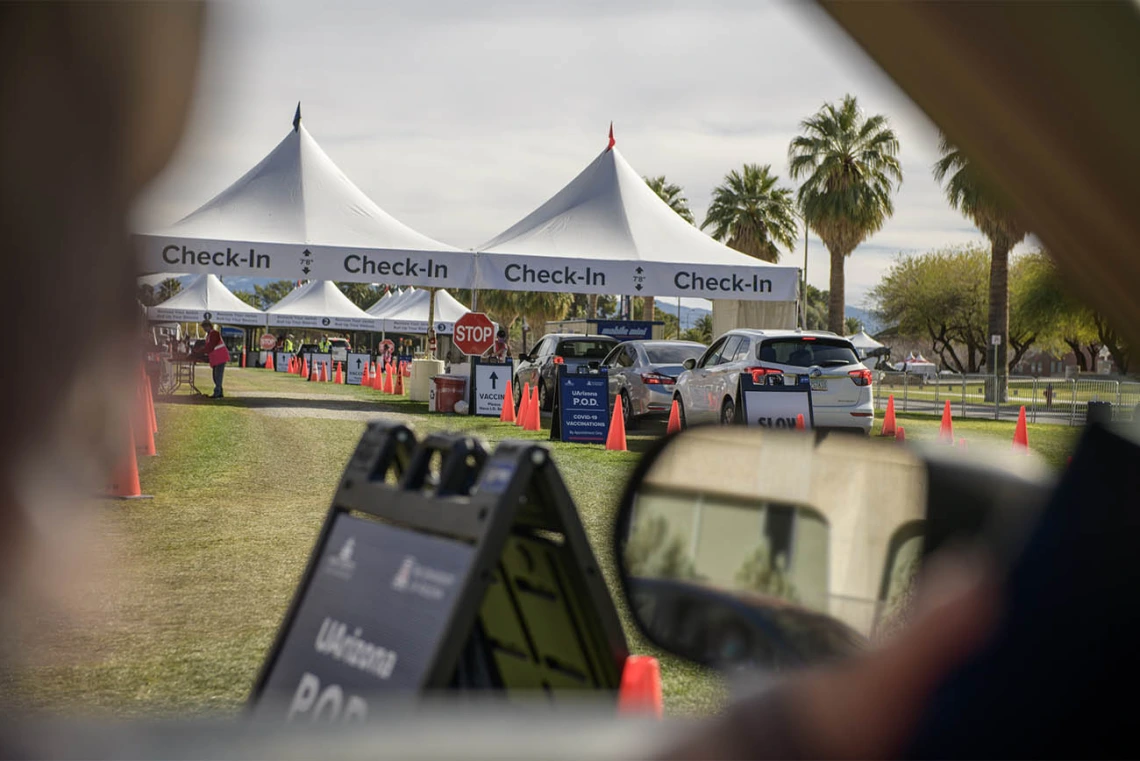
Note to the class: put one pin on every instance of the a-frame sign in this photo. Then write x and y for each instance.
(442, 567)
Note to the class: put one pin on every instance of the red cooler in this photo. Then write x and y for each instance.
(449, 389)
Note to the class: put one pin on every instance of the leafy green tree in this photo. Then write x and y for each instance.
(702, 331)
(539, 308)
(850, 167)
(852, 325)
(167, 288)
(652, 553)
(989, 209)
(767, 575)
(817, 306)
(145, 295)
(270, 294)
(751, 214)
(249, 298)
(672, 327)
(362, 295)
(502, 306)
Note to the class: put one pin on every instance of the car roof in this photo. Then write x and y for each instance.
(583, 336)
(662, 342)
(766, 333)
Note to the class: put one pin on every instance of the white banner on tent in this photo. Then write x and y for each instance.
(513, 272)
(314, 321)
(159, 313)
(354, 368)
(294, 261)
(417, 327)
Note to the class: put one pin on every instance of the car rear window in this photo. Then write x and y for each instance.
(800, 353)
(672, 355)
(585, 349)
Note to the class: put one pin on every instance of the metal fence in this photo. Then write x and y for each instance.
(1046, 400)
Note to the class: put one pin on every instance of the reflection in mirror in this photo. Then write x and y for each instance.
(773, 550)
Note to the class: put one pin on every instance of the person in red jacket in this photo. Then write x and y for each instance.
(216, 354)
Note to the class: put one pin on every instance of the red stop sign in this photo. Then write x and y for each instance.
(474, 333)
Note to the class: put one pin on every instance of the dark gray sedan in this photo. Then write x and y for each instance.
(643, 374)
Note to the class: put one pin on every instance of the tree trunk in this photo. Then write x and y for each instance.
(431, 320)
(1079, 353)
(835, 296)
(999, 316)
(647, 306)
(593, 310)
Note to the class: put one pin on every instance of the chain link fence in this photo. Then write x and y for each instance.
(1063, 401)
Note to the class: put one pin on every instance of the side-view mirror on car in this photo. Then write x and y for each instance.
(524, 357)
(689, 363)
(751, 547)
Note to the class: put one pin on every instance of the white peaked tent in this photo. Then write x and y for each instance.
(390, 302)
(864, 343)
(411, 314)
(297, 216)
(607, 232)
(319, 304)
(206, 298)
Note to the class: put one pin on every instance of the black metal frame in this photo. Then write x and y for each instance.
(512, 497)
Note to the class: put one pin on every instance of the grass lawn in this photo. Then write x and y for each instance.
(240, 487)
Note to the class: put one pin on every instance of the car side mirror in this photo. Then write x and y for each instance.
(689, 363)
(524, 357)
(791, 549)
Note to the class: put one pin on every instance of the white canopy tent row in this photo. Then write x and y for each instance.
(319, 305)
(390, 301)
(206, 298)
(410, 314)
(296, 216)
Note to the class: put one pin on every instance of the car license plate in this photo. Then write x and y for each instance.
(818, 384)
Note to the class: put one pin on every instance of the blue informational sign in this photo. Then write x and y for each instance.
(584, 402)
(625, 330)
(375, 609)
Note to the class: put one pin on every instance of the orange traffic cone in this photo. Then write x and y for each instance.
(531, 408)
(640, 691)
(399, 384)
(304, 368)
(323, 377)
(1021, 433)
(339, 375)
(142, 421)
(535, 410)
(314, 376)
(889, 418)
(900, 434)
(946, 432)
(615, 440)
(150, 406)
(524, 402)
(367, 379)
(243, 356)
(389, 386)
(674, 419)
(377, 380)
(800, 425)
(125, 481)
(507, 413)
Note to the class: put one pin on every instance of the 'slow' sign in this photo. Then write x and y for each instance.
(369, 622)
(585, 406)
(775, 406)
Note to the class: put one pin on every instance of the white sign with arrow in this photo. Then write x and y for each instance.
(490, 387)
(354, 368)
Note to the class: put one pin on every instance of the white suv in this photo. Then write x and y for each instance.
(841, 386)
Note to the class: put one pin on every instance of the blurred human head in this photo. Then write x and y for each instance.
(94, 98)
(207, 325)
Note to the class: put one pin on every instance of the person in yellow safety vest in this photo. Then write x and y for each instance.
(289, 343)
(324, 345)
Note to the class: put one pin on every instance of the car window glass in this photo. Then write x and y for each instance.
(627, 357)
(798, 352)
(613, 359)
(741, 353)
(584, 348)
(666, 354)
(710, 356)
(728, 350)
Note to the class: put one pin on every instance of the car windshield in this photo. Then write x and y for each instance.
(808, 352)
(584, 349)
(672, 355)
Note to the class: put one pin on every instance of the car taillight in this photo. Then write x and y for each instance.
(559, 361)
(861, 377)
(657, 379)
(759, 372)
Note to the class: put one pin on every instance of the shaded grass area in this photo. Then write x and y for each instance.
(239, 494)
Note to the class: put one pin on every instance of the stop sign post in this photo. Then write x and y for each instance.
(474, 333)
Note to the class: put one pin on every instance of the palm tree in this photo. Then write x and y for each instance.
(989, 210)
(538, 308)
(751, 214)
(168, 288)
(674, 196)
(502, 306)
(852, 169)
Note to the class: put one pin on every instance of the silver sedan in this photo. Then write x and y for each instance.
(643, 374)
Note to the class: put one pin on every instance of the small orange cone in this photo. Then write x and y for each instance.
(305, 368)
(339, 375)
(367, 379)
(946, 432)
(389, 387)
(125, 481)
(507, 413)
(143, 422)
(314, 376)
(1021, 433)
(530, 423)
(640, 691)
(674, 419)
(524, 402)
(900, 434)
(152, 419)
(243, 356)
(889, 418)
(615, 440)
(800, 422)
(377, 380)
(323, 377)
(399, 384)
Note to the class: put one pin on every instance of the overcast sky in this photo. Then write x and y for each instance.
(460, 117)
